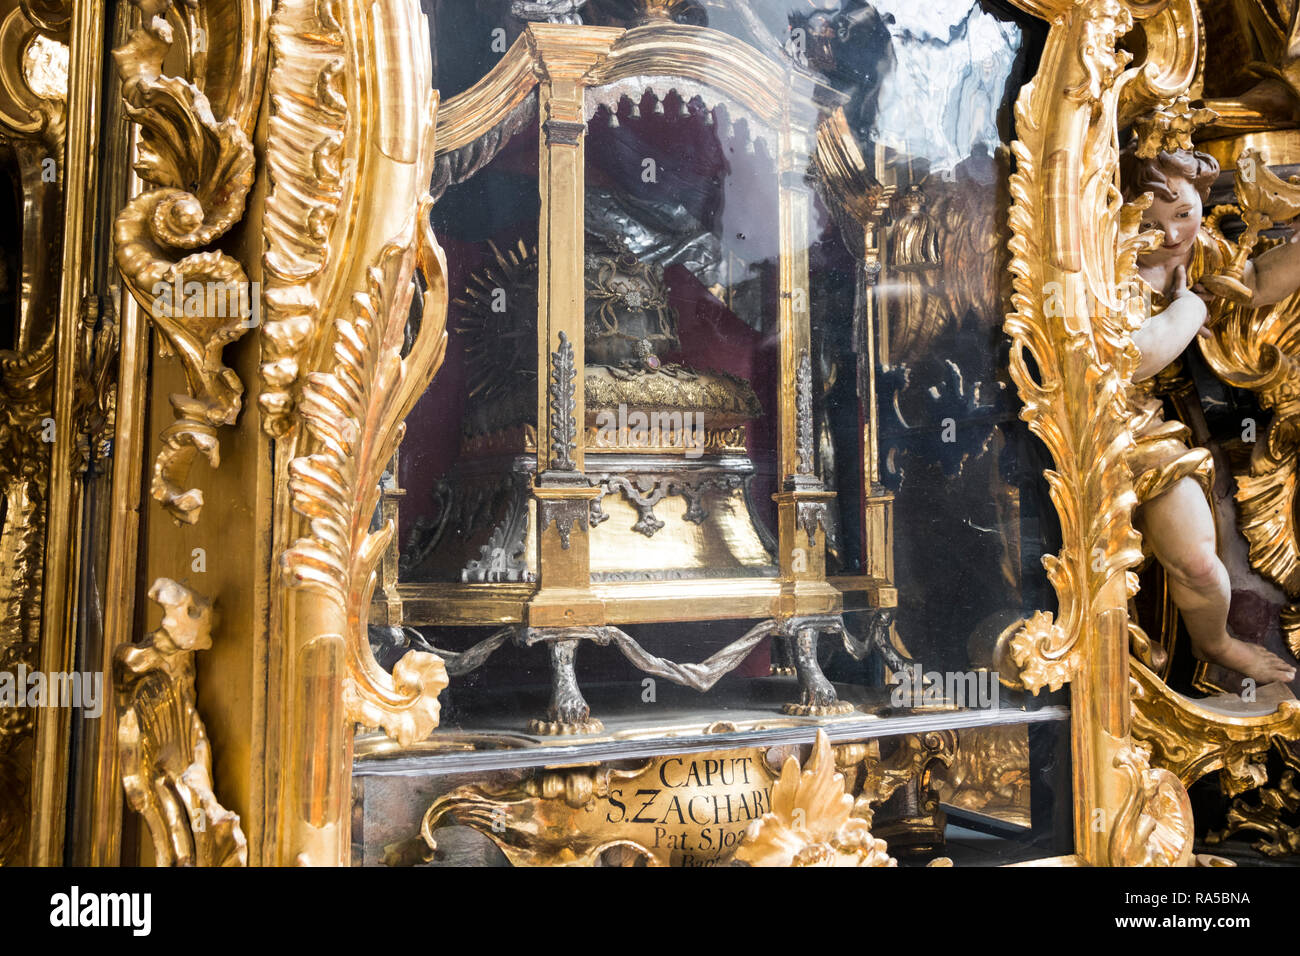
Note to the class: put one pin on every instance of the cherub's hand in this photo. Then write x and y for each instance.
(1180, 284)
(1196, 299)
(1206, 298)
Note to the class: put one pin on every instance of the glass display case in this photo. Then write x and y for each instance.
(724, 449)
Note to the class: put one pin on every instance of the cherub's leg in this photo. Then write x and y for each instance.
(1179, 526)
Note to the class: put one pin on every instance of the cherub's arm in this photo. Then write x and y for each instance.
(1274, 274)
(1163, 337)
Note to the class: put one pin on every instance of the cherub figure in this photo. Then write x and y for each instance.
(1172, 479)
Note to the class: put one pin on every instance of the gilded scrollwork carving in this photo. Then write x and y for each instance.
(990, 774)
(1076, 303)
(908, 762)
(26, 387)
(1191, 739)
(1154, 824)
(52, 17)
(198, 299)
(166, 759)
(309, 176)
(581, 816)
(1267, 815)
(711, 809)
(350, 133)
(33, 78)
(1072, 383)
(33, 92)
(355, 416)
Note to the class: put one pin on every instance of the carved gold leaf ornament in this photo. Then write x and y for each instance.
(811, 821)
(1035, 648)
(1170, 129)
(355, 414)
(198, 300)
(33, 80)
(33, 116)
(1268, 815)
(166, 760)
(912, 758)
(1073, 402)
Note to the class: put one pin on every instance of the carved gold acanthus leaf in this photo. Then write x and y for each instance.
(811, 822)
(199, 301)
(1169, 129)
(165, 756)
(355, 418)
(1042, 654)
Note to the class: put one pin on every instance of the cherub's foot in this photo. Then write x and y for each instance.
(1251, 660)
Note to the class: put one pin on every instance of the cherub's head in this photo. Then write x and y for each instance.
(1180, 183)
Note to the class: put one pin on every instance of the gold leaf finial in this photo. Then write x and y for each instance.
(1170, 128)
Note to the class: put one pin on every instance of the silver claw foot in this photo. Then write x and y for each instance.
(568, 712)
(817, 698)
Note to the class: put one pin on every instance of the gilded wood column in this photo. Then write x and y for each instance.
(802, 501)
(878, 501)
(562, 492)
(59, 617)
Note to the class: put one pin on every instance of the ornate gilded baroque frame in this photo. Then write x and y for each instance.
(344, 157)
